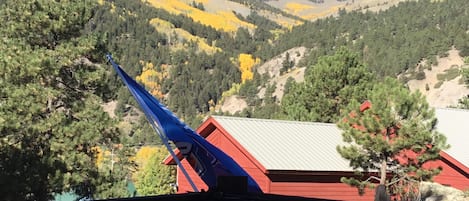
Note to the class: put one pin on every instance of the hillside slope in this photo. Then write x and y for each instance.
(443, 92)
(220, 19)
(170, 37)
(440, 93)
(302, 9)
(271, 68)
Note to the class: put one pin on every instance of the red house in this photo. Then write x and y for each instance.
(300, 158)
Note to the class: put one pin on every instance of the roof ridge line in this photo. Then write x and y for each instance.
(274, 120)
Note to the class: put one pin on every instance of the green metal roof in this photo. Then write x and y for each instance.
(309, 146)
(288, 145)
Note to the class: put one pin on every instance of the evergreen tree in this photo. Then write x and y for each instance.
(114, 170)
(287, 63)
(288, 84)
(394, 133)
(391, 41)
(270, 108)
(328, 87)
(464, 102)
(51, 119)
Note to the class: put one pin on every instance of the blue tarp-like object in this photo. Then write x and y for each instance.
(206, 159)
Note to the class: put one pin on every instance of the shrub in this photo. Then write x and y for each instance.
(420, 75)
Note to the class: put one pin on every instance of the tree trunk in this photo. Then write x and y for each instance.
(381, 193)
(382, 179)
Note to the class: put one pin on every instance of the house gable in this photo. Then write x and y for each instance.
(453, 174)
(212, 127)
(217, 136)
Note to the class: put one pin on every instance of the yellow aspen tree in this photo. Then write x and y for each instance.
(99, 156)
(143, 154)
(153, 177)
(246, 63)
(152, 78)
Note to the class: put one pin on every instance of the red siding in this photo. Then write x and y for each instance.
(228, 146)
(183, 183)
(333, 191)
(326, 186)
(450, 175)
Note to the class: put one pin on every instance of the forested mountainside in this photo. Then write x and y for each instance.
(175, 67)
(390, 41)
(189, 64)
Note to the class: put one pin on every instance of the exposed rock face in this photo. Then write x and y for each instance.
(450, 91)
(434, 191)
(272, 67)
(233, 104)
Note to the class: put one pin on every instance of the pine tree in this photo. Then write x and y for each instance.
(50, 95)
(394, 133)
(464, 102)
(329, 86)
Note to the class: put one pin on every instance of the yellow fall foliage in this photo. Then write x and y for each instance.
(99, 156)
(202, 1)
(200, 42)
(167, 27)
(246, 63)
(296, 8)
(287, 22)
(331, 10)
(152, 78)
(141, 156)
(232, 91)
(161, 24)
(103, 155)
(223, 20)
(144, 153)
(113, 8)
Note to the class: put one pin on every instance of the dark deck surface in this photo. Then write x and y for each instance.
(217, 196)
